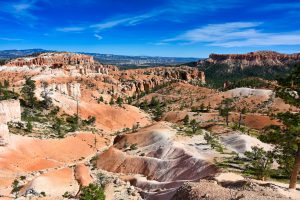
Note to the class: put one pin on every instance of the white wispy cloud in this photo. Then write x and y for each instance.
(128, 20)
(99, 37)
(70, 29)
(235, 34)
(170, 12)
(10, 39)
(20, 9)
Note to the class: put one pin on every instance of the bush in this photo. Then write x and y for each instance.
(133, 147)
(100, 99)
(260, 162)
(194, 125)
(111, 101)
(92, 192)
(15, 187)
(213, 142)
(90, 121)
(119, 101)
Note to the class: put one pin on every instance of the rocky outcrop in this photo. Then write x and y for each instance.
(54, 60)
(4, 135)
(68, 62)
(143, 80)
(10, 110)
(260, 58)
(69, 89)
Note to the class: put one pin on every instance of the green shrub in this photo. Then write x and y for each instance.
(92, 192)
(260, 162)
(133, 147)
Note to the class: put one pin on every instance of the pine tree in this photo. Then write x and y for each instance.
(194, 125)
(28, 92)
(287, 139)
(225, 109)
(186, 120)
(29, 126)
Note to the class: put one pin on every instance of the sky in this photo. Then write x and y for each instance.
(182, 28)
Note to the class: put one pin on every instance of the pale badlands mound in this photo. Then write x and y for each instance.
(154, 154)
(46, 163)
(250, 92)
(241, 143)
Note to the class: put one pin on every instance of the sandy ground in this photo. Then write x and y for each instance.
(109, 118)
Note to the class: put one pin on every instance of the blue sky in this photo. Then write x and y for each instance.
(184, 28)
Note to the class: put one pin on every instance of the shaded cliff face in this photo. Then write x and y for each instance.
(264, 64)
(261, 58)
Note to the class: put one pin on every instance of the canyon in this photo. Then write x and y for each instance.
(154, 133)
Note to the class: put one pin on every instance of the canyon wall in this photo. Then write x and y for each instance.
(143, 80)
(260, 58)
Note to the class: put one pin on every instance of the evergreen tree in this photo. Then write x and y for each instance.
(28, 92)
(111, 101)
(57, 126)
(225, 108)
(194, 125)
(119, 101)
(186, 120)
(29, 126)
(287, 138)
(157, 112)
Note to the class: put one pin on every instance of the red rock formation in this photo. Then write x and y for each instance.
(84, 64)
(260, 58)
(142, 80)
(53, 60)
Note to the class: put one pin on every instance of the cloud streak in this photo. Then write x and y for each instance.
(169, 12)
(235, 34)
(128, 21)
(71, 29)
(99, 37)
(20, 10)
(10, 39)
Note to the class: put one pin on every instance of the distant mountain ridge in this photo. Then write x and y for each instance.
(120, 60)
(11, 54)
